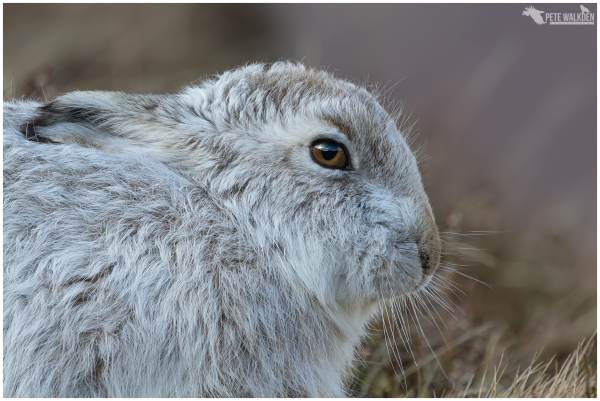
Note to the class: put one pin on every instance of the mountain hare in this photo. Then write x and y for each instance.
(233, 239)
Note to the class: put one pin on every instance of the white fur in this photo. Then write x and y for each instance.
(187, 245)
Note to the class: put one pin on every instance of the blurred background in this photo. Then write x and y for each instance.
(505, 108)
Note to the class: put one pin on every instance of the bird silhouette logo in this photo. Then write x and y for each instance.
(584, 9)
(536, 15)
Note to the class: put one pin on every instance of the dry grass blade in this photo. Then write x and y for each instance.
(575, 379)
(433, 356)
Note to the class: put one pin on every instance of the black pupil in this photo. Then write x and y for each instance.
(329, 150)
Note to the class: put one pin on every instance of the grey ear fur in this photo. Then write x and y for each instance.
(77, 109)
(113, 122)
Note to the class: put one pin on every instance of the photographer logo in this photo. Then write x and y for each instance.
(585, 17)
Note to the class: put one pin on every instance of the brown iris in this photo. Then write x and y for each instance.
(329, 154)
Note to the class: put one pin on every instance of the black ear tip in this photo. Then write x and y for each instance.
(28, 131)
(52, 113)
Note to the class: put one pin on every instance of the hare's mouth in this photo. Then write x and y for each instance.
(403, 276)
(407, 291)
(423, 283)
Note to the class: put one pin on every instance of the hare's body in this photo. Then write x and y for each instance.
(186, 245)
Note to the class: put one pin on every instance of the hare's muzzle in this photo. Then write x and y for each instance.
(429, 245)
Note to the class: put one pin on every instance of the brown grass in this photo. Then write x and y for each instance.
(575, 379)
(484, 371)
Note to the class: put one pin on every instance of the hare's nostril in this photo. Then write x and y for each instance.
(425, 260)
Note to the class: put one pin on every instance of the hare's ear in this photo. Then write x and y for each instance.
(114, 122)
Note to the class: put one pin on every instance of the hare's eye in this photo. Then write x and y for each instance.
(329, 154)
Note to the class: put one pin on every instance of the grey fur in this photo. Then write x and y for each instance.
(186, 245)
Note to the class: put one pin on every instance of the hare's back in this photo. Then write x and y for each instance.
(94, 245)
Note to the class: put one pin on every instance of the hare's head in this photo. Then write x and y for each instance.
(310, 169)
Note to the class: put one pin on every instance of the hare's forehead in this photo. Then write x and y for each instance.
(306, 127)
(292, 132)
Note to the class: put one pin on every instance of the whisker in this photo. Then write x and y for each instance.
(469, 277)
(389, 338)
(442, 298)
(439, 301)
(405, 330)
(425, 338)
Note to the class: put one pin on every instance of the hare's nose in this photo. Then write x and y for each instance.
(429, 248)
(429, 253)
(425, 260)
